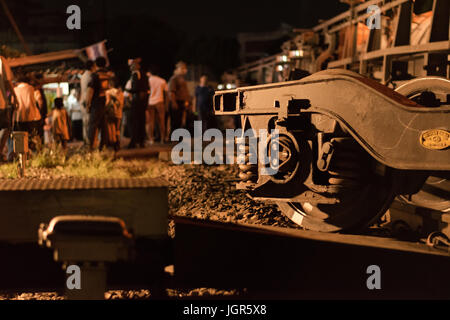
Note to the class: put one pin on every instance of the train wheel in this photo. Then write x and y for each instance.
(366, 200)
(363, 196)
(429, 92)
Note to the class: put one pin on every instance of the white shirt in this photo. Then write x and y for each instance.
(157, 88)
(84, 81)
(28, 110)
(74, 108)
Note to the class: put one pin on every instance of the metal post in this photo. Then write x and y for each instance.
(20, 147)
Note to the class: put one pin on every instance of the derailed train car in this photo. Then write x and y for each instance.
(348, 142)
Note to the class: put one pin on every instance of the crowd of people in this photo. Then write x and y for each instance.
(100, 111)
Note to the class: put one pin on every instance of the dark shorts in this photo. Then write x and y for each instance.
(97, 113)
(32, 127)
(77, 129)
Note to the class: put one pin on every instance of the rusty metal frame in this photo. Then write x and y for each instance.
(438, 43)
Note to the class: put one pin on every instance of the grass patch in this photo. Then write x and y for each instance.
(55, 162)
(48, 158)
(8, 170)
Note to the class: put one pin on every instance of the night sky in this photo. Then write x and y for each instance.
(162, 32)
(226, 17)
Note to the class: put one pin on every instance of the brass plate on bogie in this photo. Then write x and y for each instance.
(435, 139)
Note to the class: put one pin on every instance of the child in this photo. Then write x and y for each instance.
(114, 104)
(60, 123)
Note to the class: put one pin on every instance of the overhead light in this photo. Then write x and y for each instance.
(229, 86)
(282, 58)
(220, 86)
(280, 68)
(296, 53)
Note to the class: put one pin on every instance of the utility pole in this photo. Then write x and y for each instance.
(16, 28)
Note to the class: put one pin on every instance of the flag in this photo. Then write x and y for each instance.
(97, 50)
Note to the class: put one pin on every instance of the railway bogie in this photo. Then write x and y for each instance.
(347, 145)
(371, 129)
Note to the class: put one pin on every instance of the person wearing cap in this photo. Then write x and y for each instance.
(139, 91)
(179, 96)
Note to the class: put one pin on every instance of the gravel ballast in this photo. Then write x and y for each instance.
(196, 191)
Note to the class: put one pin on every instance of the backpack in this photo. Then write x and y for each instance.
(113, 107)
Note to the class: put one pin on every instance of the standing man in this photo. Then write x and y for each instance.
(27, 117)
(179, 96)
(96, 102)
(139, 98)
(157, 103)
(84, 82)
(7, 103)
(76, 115)
(203, 103)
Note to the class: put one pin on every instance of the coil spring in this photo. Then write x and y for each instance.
(248, 172)
(347, 166)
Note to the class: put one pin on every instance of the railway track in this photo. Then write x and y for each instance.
(283, 263)
(256, 262)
